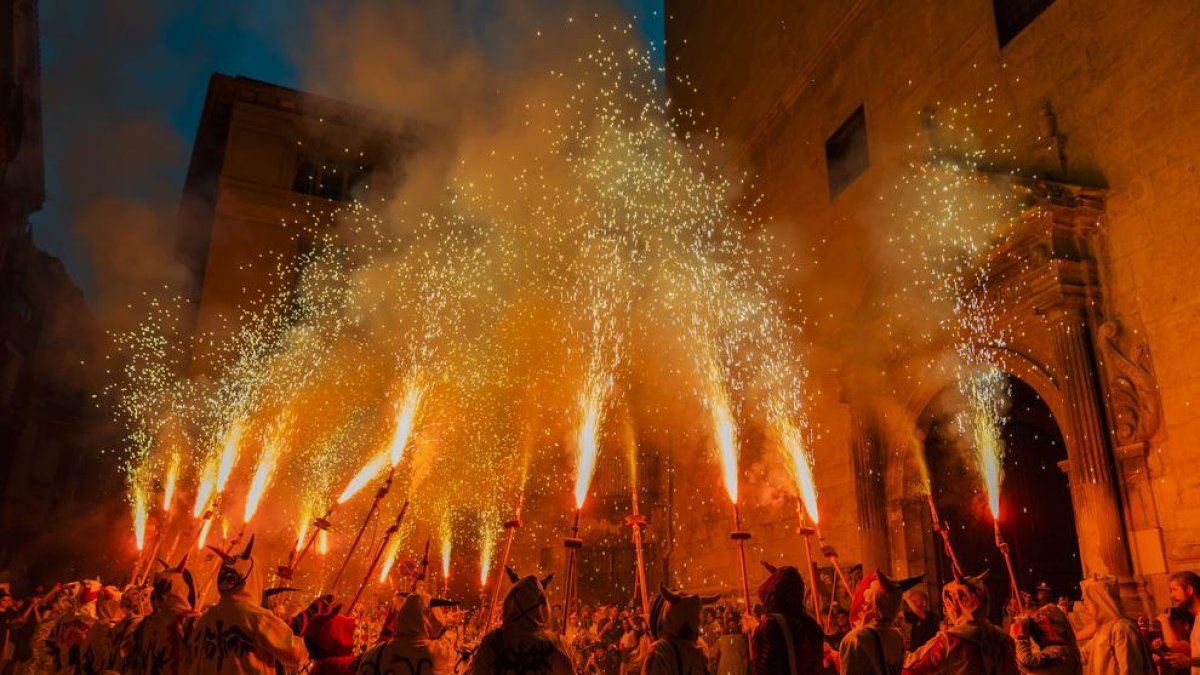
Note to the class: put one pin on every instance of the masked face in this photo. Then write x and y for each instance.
(235, 570)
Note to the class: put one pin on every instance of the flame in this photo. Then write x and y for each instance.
(985, 392)
(487, 544)
(405, 419)
(389, 558)
(203, 534)
(263, 473)
(726, 432)
(446, 535)
(302, 528)
(801, 465)
(205, 490)
(364, 476)
(323, 542)
(169, 483)
(229, 455)
(591, 406)
(139, 517)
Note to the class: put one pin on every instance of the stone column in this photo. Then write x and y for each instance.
(1102, 541)
(869, 491)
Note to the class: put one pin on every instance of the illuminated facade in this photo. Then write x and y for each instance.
(829, 103)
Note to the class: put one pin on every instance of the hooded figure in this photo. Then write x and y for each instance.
(675, 618)
(1116, 647)
(524, 644)
(788, 640)
(157, 644)
(329, 637)
(971, 645)
(875, 645)
(411, 649)
(1046, 643)
(135, 604)
(238, 636)
(98, 645)
(67, 638)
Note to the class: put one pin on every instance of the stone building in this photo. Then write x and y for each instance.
(1089, 105)
(266, 156)
(49, 441)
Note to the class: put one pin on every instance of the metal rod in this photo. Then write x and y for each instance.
(387, 536)
(807, 532)
(831, 555)
(573, 544)
(942, 529)
(379, 495)
(422, 569)
(319, 525)
(511, 526)
(1012, 575)
(740, 538)
(637, 523)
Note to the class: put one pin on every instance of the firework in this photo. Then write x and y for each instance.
(139, 517)
(169, 483)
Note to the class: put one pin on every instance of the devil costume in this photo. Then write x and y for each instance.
(675, 623)
(788, 640)
(157, 645)
(1046, 643)
(98, 645)
(1116, 647)
(971, 645)
(411, 651)
(875, 645)
(524, 644)
(135, 603)
(238, 636)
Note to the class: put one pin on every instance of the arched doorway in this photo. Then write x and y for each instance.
(1036, 513)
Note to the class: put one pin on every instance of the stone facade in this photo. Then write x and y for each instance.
(1092, 99)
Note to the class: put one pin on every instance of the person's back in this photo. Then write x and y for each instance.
(971, 645)
(157, 644)
(732, 654)
(523, 644)
(787, 640)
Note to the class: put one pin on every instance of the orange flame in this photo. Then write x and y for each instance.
(204, 491)
(389, 558)
(203, 534)
(302, 530)
(169, 483)
(591, 406)
(364, 476)
(139, 517)
(726, 432)
(405, 420)
(323, 542)
(445, 534)
(263, 473)
(985, 391)
(229, 455)
(800, 463)
(487, 544)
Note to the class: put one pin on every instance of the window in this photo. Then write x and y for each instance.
(328, 177)
(846, 152)
(1012, 16)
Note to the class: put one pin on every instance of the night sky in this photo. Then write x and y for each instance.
(123, 85)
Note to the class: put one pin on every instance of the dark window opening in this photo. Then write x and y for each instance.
(1012, 16)
(846, 153)
(330, 178)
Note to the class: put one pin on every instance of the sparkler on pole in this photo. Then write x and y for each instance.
(636, 521)
(807, 533)
(572, 544)
(387, 535)
(320, 526)
(1012, 575)
(944, 531)
(727, 445)
(511, 528)
(379, 495)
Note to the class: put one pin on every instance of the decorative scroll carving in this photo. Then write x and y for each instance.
(1131, 387)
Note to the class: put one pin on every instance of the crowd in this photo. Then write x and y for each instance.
(890, 628)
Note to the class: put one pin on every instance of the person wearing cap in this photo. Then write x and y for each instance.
(1043, 594)
(1046, 642)
(970, 645)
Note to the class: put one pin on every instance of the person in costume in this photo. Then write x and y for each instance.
(237, 635)
(67, 638)
(875, 645)
(1046, 642)
(524, 643)
(412, 648)
(157, 644)
(970, 644)
(1116, 647)
(675, 625)
(787, 641)
(98, 644)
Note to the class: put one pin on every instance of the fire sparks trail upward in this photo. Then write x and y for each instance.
(801, 464)
(267, 461)
(203, 538)
(985, 392)
(487, 545)
(139, 517)
(389, 558)
(204, 492)
(323, 542)
(725, 430)
(591, 406)
(302, 526)
(229, 455)
(169, 483)
(405, 420)
(446, 534)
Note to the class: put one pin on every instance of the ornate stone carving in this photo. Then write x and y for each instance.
(1130, 385)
